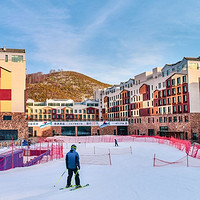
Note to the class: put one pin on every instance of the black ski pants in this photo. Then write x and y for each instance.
(70, 174)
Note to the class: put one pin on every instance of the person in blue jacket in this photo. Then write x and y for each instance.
(73, 165)
(116, 144)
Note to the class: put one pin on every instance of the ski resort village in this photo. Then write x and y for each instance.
(135, 140)
(99, 100)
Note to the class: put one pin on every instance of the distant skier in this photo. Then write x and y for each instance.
(116, 144)
(73, 165)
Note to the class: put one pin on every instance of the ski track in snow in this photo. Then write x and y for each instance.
(129, 177)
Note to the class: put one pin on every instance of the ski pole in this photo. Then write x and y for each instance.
(75, 176)
(60, 177)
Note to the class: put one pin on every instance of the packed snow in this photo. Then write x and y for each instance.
(131, 176)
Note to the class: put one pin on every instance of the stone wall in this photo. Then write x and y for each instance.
(18, 122)
(109, 130)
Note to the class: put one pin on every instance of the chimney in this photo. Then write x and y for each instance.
(4, 48)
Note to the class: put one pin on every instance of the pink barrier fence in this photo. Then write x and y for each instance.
(30, 155)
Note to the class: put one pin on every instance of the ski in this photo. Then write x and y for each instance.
(63, 188)
(79, 187)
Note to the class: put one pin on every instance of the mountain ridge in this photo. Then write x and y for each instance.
(62, 85)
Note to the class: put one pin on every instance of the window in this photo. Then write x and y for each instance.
(170, 119)
(160, 119)
(164, 101)
(168, 72)
(180, 119)
(164, 93)
(174, 109)
(169, 109)
(168, 92)
(179, 68)
(17, 58)
(160, 110)
(159, 94)
(159, 85)
(173, 82)
(173, 91)
(185, 107)
(6, 58)
(179, 108)
(164, 84)
(169, 100)
(5, 117)
(179, 90)
(184, 98)
(186, 119)
(174, 100)
(179, 99)
(168, 83)
(184, 89)
(165, 119)
(178, 81)
(164, 110)
(175, 119)
(184, 79)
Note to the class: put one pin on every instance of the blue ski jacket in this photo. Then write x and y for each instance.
(72, 159)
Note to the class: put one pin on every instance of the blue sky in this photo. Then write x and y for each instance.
(108, 40)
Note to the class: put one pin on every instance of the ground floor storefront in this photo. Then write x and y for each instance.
(39, 129)
(181, 126)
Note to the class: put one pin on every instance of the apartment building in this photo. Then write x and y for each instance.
(13, 123)
(163, 102)
(63, 111)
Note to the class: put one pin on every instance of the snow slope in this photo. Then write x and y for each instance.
(129, 177)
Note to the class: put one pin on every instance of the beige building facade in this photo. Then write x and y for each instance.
(13, 94)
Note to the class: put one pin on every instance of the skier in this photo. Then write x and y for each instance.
(116, 144)
(73, 165)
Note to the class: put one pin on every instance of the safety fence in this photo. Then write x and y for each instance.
(184, 161)
(27, 156)
(90, 139)
(94, 155)
(100, 159)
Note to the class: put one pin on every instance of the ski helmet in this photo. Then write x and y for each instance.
(73, 146)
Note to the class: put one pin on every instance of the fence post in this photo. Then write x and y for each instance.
(154, 160)
(12, 154)
(110, 159)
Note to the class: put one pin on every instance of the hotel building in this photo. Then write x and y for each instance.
(163, 102)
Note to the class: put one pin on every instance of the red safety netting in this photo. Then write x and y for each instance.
(161, 163)
(90, 139)
(195, 151)
(184, 161)
(182, 145)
